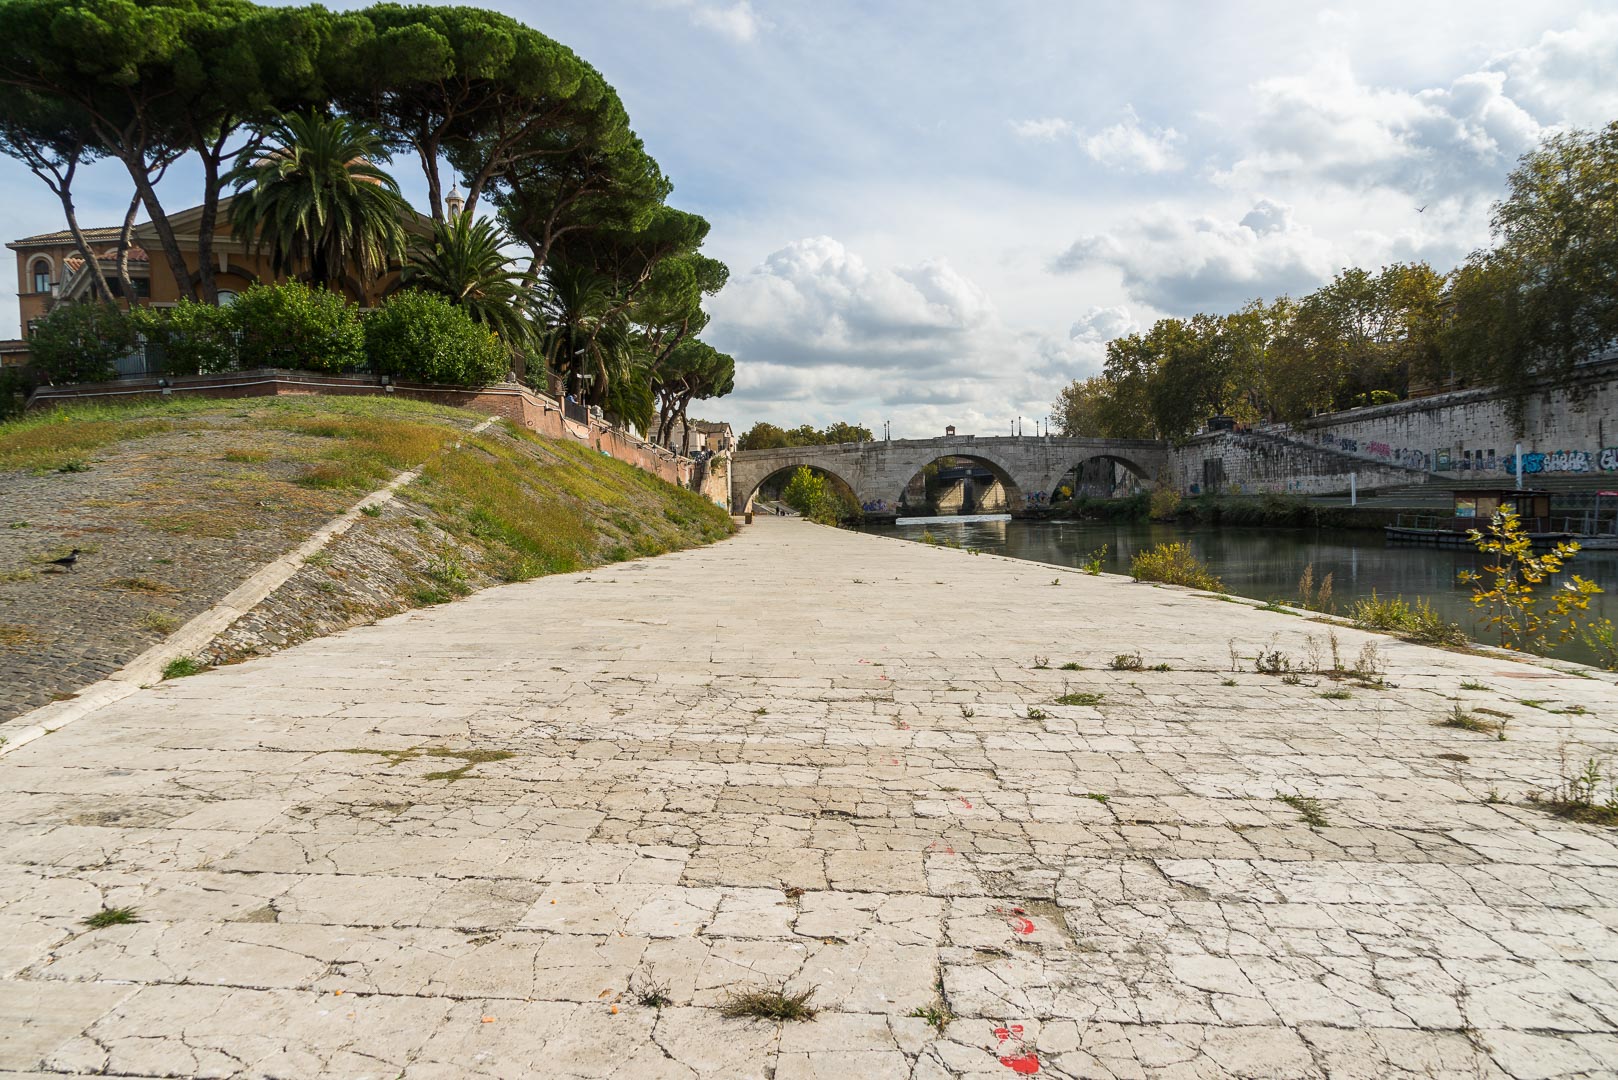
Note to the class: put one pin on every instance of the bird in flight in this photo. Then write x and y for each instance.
(1422, 209)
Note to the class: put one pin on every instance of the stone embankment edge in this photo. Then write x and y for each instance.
(1571, 668)
(147, 668)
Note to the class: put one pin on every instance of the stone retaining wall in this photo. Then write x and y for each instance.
(1567, 431)
(513, 401)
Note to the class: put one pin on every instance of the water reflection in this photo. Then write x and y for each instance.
(1266, 563)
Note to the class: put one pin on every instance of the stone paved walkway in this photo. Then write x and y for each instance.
(824, 758)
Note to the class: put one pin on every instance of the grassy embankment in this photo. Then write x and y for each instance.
(174, 501)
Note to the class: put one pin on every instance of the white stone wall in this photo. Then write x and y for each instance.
(1251, 464)
(1567, 432)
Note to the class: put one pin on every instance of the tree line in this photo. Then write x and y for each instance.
(291, 110)
(1536, 303)
(766, 436)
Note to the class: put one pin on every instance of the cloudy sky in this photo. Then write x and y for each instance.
(937, 211)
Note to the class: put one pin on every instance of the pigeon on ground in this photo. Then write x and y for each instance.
(66, 561)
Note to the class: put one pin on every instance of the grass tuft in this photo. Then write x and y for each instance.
(769, 1003)
(1309, 809)
(112, 916)
(182, 666)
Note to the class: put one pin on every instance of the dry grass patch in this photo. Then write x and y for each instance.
(769, 1003)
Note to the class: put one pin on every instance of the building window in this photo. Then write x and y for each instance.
(42, 276)
(227, 297)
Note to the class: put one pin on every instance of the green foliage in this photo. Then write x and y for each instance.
(1602, 638)
(1091, 564)
(15, 386)
(318, 202)
(1509, 589)
(293, 326)
(422, 336)
(194, 338)
(1416, 622)
(182, 666)
(1164, 504)
(764, 436)
(116, 916)
(1174, 564)
(80, 342)
(465, 262)
(811, 495)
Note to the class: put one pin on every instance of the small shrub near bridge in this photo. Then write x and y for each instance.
(1173, 564)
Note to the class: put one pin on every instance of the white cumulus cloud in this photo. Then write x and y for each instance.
(1128, 145)
(1180, 264)
(1132, 147)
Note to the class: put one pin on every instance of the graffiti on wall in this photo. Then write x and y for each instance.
(1573, 462)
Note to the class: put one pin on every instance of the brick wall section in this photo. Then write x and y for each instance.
(513, 401)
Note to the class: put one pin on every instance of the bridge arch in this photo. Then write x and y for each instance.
(755, 483)
(1073, 473)
(1014, 496)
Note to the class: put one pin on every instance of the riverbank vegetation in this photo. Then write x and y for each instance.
(1267, 510)
(1174, 564)
(811, 494)
(1535, 304)
(285, 116)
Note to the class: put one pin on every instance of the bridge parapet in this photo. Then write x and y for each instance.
(1030, 467)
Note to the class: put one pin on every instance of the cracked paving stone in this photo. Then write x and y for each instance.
(713, 776)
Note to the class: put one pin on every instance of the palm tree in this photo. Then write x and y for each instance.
(319, 202)
(585, 331)
(464, 263)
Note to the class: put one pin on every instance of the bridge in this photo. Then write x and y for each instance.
(1030, 468)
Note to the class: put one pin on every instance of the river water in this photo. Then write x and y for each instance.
(1265, 563)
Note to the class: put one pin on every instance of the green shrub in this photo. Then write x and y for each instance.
(294, 326)
(1165, 504)
(1418, 622)
(80, 342)
(1174, 564)
(810, 495)
(416, 335)
(15, 386)
(196, 339)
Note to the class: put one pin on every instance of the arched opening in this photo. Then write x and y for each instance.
(40, 273)
(956, 485)
(766, 496)
(1102, 476)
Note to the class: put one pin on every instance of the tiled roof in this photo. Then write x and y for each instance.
(66, 237)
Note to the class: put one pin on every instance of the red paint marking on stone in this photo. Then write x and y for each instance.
(1022, 926)
(1004, 1033)
(1026, 1064)
(966, 803)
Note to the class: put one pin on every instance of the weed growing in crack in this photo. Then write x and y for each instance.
(1458, 717)
(1336, 695)
(1078, 697)
(1127, 662)
(1097, 796)
(1292, 679)
(1309, 809)
(761, 711)
(1471, 684)
(649, 993)
(937, 1015)
(1235, 655)
(968, 712)
(182, 666)
(112, 916)
(1036, 713)
(1041, 663)
(1227, 682)
(1589, 794)
(1072, 665)
(769, 1003)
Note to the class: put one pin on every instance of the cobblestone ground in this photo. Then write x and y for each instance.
(151, 559)
(471, 841)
